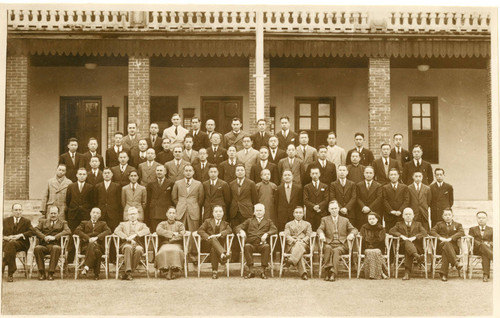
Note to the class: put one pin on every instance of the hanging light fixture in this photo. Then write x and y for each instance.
(90, 66)
(423, 67)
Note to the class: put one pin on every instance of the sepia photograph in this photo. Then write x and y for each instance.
(203, 159)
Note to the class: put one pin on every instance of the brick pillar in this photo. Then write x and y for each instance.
(17, 129)
(489, 130)
(138, 93)
(379, 103)
(252, 103)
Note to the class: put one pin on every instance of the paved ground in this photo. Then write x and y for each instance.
(236, 296)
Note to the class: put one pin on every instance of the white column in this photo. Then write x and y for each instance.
(259, 66)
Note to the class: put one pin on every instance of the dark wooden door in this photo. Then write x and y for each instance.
(80, 117)
(316, 115)
(222, 110)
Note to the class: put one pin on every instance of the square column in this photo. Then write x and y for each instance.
(138, 93)
(379, 103)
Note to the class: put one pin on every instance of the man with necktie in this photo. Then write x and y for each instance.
(217, 193)
(227, 168)
(261, 137)
(92, 145)
(442, 196)
(248, 155)
(369, 196)
(366, 156)
(154, 140)
(235, 136)
(147, 169)
(315, 199)
(398, 152)
(216, 154)
(200, 138)
(94, 174)
(113, 152)
(417, 164)
(483, 242)
(385, 164)
(55, 192)
(159, 198)
(395, 198)
(285, 135)
(201, 166)
(326, 168)
(298, 233)
(289, 195)
(343, 191)
(176, 133)
(305, 152)
(131, 141)
(122, 170)
(134, 195)
(72, 159)
(175, 167)
(420, 200)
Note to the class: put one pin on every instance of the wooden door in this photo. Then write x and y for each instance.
(222, 110)
(316, 115)
(80, 118)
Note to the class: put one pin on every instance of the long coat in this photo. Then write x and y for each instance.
(267, 194)
(159, 199)
(109, 201)
(55, 194)
(146, 173)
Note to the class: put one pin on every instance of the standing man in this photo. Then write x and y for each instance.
(210, 126)
(335, 154)
(356, 170)
(247, 156)
(305, 152)
(94, 175)
(154, 140)
(201, 166)
(147, 170)
(417, 164)
(139, 153)
(175, 167)
(288, 196)
(227, 169)
(483, 242)
(369, 196)
(108, 199)
(266, 190)
(159, 198)
(420, 199)
(292, 163)
(79, 200)
(442, 196)
(327, 169)
(235, 137)
(366, 156)
(385, 164)
(264, 163)
(189, 154)
(131, 141)
(315, 199)
(165, 155)
(200, 138)
(55, 192)
(286, 136)
(261, 137)
(216, 154)
(217, 193)
(72, 159)
(175, 133)
(114, 151)
(275, 153)
(122, 170)
(396, 198)
(134, 195)
(398, 152)
(344, 192)
(92, 145)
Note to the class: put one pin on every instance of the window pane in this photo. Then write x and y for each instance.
(305, 123)
(324, 110)
(426, 109)
(426, 124)
(415, 109)
(323, 123)
(305, 109)
(416, 124)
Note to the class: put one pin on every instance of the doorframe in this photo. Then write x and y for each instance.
(221, 98)
(318, 99)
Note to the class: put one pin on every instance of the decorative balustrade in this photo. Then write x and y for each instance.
(246, 21)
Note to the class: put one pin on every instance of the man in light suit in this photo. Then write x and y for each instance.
(138, 154)
(72, 159)
(175, 167)
(369, 196)
(288, 196)
(366, 156)
(315, 199)
(247, 156)
(417, 164)
(108, 199)
(298, 233)
(385, 164)
(261, 137)
(292, 163)
(189, 154)
(200, 138)
(216, 153)
(131, 233)
(94, 175)
(92, 145)
(176, 133)
(327, 169)
(55, 192)
(275, 153)
(305, 152)
(113, 152)
(134, 195)
(131, 141)
(154, 140)
(264, 163)
(420, 199)
(442, 196)
(147, 170)
(217, 193)
(159, 195)
(398, 152)
(396, 198)
(285, 135)
(344, 192)
(335, 154)
(334, 231)
(483, 242)
(122, 170)
(235, 137)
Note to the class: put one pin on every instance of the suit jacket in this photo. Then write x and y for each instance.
(243, 199)
(156, 145)
(220, 194)
(297, 169)
(309, 157)
(109, 201)
(92, 178)
(248, 159)
(201, 174)
(227, 172)
(455, 231)
(190, 158)
(366, 157)
(44, 228)
(371, 198)
(175, 173)
(130, 143)
(175, 140)
(159, 199)
(79, 203)
(188, 201)
(345, 196)
(425, 167)
(137, 198)
(416, 229)
(442, 198)
(420, 201)
(405, 156)
(209, 228)
(356, 174)
(259, 141)
(336, 155)
(55, 194)
(125, 229)
(85, 231)
(254, 230)
(284, 209)
(230, 139)
(136, 159)
(280, 154)
(475, 232)
(122, 177)
(200, 140)
(23, 227)
(218, 157)
(147, 174)
(380, 175)
(291, 138)
(71, 168)
(86, 159)
(297, 232)
(112, 156)
(395, 201)
(313, 196)
(344, 228)
(257, 169)
(328, 173)
(164, 156)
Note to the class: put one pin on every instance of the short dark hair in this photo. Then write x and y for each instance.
(384, 144)
(132, 123)
(236, 119)
(188, 136)
(246, 137)
(322, 147)
(92, 138)
(368, 167)
(397, 134)
(448, 209)
(118, 133)
(262, 119)
(107, 168)
(303, 132)
(264, 147)
(332, 133)
(82, 168)
(359, 134)
(195, 118)
(61, 165)
(240, 165)
(438, 169)
(481, 212)
(394, 169)
(72, 139)
(285, 117)
(417, 146)
(94, 157)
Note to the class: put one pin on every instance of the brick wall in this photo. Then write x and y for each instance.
(252, 98)
(138, 93)
(489, 131)
(16, 183)
(379, 103)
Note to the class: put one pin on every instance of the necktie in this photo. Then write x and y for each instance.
(95, 173)
(386, 162)
(408, 224)
(52, 224)
(246, 151)
(177, 163)
(176, 130)
(323, 164)
(368, 185)
(188, 183)
(288, 191)
(122, 169)
(394, 187)
(316, 185)
(133, 188)
(342, 182)
(160, 181)
(80, 186)
(15, 224)
(262, 135)
(93, 224)
(153, 139)
(73, 158)
(291, 162)
(143, 156)
(194, 134)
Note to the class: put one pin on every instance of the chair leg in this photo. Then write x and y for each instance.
(349, 266)
(106, 267)
(359, 265)
(281, 264)
(199, 265)
(242, 263)
(227, 268)
(272, 265)
(75, 264)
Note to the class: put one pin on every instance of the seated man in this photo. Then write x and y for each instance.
(335, 231)
(411, 234)
(214, 231)
(297, 233)
(448, 233)
(92, 234)
(256, 230)
(50, 231)
(16, 233)
(132, 234)
(483, 242)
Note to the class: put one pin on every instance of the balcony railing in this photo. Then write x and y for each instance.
(246, 21)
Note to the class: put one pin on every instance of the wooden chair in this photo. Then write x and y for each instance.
(185, 246)
(202, 257)
(462, 255)
(346, 258)
(79, 257)
(62, 258)
(307, 257)
(400, 258)
(120, 257)
(386, 253)
(26, 256)
(273, 239)
(473, 261)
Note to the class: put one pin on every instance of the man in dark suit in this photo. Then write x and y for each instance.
(72, 159)
(411, 234)
(369, 196)
(217, 193)
(16, 233)
(131, 140)
(122, 170)
(366, 156)
(264, 163)
(94, 174)
(216, 153)
(92, 234)
(396, 198)
(235, 136)
(448, 232)
(442, 196)
(49, 232)
(285, 135)
(344, 192)
(200, 138)
(159, 198)
(210, 127)
(154, 140)
(227, 169)
(139, 155)
(288, 196)
(92, 145)
(417, 164)
(257, 230)
(326, 168)
(315, 199)
(112, 153)
(420, 200)
(261, 137)
(275, 153)
(383, 165)
(108, 199)
(483, 242)
(398, 152)
(165, 155)
(201, 166)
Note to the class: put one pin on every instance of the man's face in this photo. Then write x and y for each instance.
(393, 176)
(263, 154)
(94, 162)
(408, 215)
(188, 143)
(447, 216)
(332, 140)
(195, 123)
(213, 173)
(133, 177)
(398, 140)
(210, 125)
(165, 143)
(482, 219)
(93, 145)
(215, 140)
(118, 140)
(17, 210)
(160, 172)
(417, 177)
(72, 146)
(132, 215)
(261, 126)
(178, 153)
(202, 154)
(355, 158)
(358, 141)
(259, 210)
(298, 214)
(218, 213)
(53, 213)
(290, 151)
(143, 145)
(273, 142)
(150, 154)
(322, 153)
(107, 175)
(131, 128)
(171, 214)
(303, 139)
(285, 124)
(342, 172)
(61, 171)
(176, 120)
(153, 129)
(439, 176)
(240, 172)
(368, 174)
(236, 125)
(231, 152)
(123, 158)
(265, 175)
(386, 151)
(95, 214)
(247, 142)
(188, 172)
(81, 175)
(417, 153)
(315, 174)
(287, 176)
(333, 208)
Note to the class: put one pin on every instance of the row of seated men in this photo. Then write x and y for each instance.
(335, 232)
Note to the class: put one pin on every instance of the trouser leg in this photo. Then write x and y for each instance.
(216, 249)
(410, 251)
(55, 253)
(10, 250)
(487, 256)
(40, 252)
(448, 256)
(235, 248)
(265, 254)
(137, 255)
(249, 249)
(337, 253)
(127, 257)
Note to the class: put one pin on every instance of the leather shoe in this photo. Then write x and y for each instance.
(406, 277)
(250, 275)
(42, 276)
(10, 279)
(421, 260)
(263, 275)
(214, 275)
(129, 277)
(327, 278)
(84, 273)
(459, 267)
(332, 277)
(485, 278)
(96, 277)
(304, 276)
(444, 277)
(51, 276)
(223, 258)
